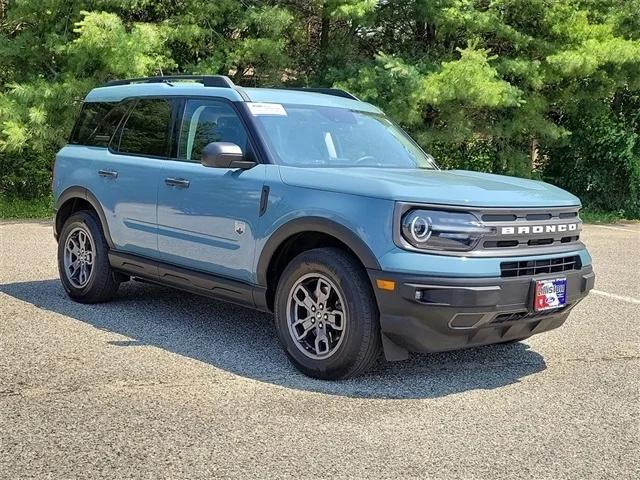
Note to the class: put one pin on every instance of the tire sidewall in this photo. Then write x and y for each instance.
(86, 220)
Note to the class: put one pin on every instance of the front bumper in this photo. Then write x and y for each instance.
(432, 314)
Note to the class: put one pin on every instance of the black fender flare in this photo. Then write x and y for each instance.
(313, 224)
(82, 193)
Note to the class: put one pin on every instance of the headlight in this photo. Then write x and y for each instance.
(436, 230)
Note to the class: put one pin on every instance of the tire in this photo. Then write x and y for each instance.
(100, 283)
(326, 351)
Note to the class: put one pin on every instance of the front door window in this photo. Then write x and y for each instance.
(206, 121)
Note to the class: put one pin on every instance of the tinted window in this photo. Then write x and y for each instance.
(97, 123)
(145, 131)
(206, 121)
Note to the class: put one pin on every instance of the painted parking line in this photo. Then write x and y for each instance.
(617, 297)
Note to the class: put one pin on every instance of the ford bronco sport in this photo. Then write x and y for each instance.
(313, 205)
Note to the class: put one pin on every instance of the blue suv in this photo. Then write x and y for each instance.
(315, 206)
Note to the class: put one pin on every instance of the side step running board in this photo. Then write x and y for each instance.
(201, 283)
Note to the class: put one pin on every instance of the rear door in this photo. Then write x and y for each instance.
(207, 216)
(128, 175)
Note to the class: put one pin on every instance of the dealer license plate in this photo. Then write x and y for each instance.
(550, 294)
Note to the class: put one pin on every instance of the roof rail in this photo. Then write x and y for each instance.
(206, 80)
(336, 92)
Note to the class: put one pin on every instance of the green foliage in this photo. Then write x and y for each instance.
(390, 82)
(598, 216)
(104, 47)
(351, 8)
(601, 157)
(534, 88)
(245, 40)
(35, 120)
(470, 82)
(15, 207)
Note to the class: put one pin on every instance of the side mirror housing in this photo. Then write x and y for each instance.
(225, 155)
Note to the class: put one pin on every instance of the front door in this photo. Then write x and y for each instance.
(207, 216)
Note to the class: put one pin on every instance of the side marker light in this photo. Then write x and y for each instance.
(389, 285)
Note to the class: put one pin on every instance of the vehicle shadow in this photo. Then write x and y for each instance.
(244, 342)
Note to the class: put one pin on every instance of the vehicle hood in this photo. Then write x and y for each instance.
(446, 187)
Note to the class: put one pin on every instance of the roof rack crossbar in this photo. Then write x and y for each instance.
(207, 80)
(336, 92)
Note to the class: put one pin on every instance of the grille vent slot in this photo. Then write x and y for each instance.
(540, 241)
(490, 217)
(500, 243)
(534, 217)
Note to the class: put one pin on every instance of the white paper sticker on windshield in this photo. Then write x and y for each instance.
(267, 109)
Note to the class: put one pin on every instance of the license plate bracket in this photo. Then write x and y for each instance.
(549, 294)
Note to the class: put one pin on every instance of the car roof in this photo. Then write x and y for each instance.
(114, 93)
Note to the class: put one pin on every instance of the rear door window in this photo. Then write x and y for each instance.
(146, 129)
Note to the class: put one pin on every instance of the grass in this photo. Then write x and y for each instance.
(21, 208)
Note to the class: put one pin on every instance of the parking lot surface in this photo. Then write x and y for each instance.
(163, 384)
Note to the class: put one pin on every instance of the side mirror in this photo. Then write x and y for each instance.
(225, 155)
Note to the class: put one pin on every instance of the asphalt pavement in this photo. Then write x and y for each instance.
(164, 384)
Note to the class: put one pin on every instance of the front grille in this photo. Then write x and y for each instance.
(529, 228)
(536, 267)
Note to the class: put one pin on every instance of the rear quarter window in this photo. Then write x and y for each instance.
(97, 123)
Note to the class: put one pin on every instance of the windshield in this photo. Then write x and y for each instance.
(318, 136)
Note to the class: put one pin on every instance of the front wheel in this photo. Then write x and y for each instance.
(326, 315)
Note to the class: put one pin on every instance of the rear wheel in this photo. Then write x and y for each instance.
(83, 261)
(326, 315)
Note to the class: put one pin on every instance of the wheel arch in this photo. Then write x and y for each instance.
(74, 199)
(328, 232)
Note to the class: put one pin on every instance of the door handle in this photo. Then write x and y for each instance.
(108, 173)
(177, 182)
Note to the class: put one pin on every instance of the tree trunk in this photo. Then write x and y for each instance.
(324, 29)
(534, 153)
